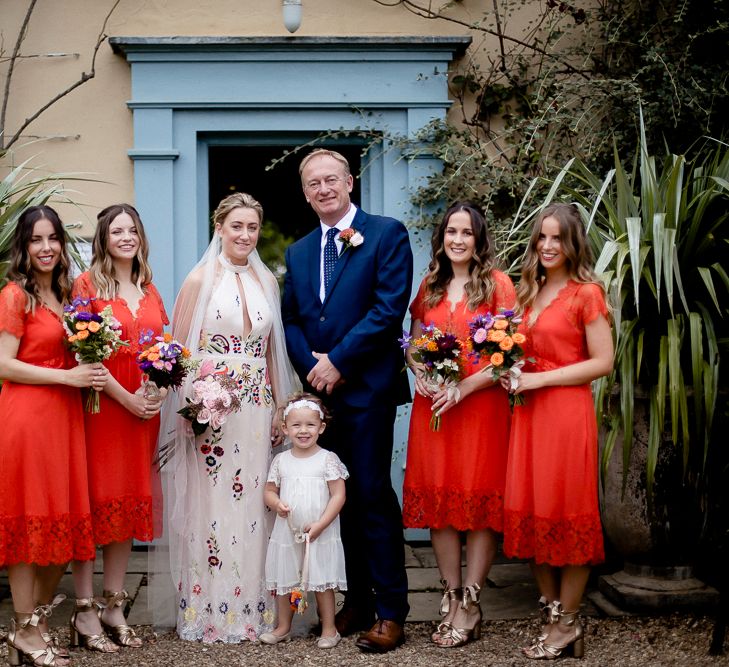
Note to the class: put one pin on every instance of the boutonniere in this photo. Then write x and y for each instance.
(350, 238)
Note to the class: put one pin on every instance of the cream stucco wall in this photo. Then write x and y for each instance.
(90, 130)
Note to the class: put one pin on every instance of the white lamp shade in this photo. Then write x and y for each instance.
(292, 14)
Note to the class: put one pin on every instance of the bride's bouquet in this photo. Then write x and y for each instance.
(215, 395)
(92, 338)
(440, 353)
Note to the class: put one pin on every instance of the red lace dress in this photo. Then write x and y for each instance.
(123, 482)
(455, 476)
(44, 504)
(551, 508)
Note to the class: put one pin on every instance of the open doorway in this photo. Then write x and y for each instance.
(287, 216)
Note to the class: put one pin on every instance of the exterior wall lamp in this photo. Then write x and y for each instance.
(292, 11)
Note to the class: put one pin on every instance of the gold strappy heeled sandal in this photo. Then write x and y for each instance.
(450, 596)
(46, 611)
(100, 642)
(543, 650)
(42, 657)
(122, 634)
(460, 636)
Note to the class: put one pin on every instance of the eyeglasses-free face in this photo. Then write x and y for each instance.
(327, 188)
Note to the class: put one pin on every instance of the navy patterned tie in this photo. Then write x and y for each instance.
(330, 257)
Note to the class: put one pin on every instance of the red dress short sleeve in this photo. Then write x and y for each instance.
(123, 482)
(551, 511)
(44, 507)
(12, 310)
(455, 476)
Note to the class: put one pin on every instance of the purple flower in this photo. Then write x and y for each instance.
(84, 316)
(508, 313)
(146, 336)
(405, 340)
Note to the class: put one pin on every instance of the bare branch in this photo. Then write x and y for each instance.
(11, 67)
(427, 13)
(85, 76)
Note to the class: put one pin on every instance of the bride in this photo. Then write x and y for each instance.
(217, 525)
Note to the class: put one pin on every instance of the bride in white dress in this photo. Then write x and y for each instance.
(217, 525)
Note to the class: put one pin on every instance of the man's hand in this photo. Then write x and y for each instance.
(324, 376)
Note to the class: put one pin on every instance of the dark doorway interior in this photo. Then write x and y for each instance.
(287, 215)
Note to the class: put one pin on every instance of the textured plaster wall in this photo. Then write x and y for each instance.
(90, 130)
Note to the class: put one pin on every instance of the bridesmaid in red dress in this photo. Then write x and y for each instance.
(121, 438)
(44, 508)
(454, 477)
(551, 512)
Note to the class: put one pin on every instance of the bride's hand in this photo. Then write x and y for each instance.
(276, 434)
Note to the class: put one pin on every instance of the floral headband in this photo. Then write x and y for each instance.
(304, 403)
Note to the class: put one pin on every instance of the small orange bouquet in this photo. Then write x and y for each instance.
(496, 339)
(92, 337)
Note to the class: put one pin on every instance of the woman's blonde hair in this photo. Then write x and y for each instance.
(575, 248)
(236, 200)
(101, 271)
(480, 286)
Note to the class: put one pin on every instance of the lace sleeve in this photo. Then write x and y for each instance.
(160, 304)
(274, 473)
(12, 310)
(417, 309)
(590, 303)
(504, 292)
(334, 468)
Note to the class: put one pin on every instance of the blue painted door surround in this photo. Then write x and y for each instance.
(189, 92)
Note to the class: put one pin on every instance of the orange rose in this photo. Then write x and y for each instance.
(153, 356)
(497, 336)
(72, 339)
(94, 327)
(506, 344)
(497, 359)
(518, 338)
(82, 335)
(185, 352)
(500, 324)
(81, 326)
(432, 346)
(167, 338)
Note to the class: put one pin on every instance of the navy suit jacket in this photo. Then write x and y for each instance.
(361, 318)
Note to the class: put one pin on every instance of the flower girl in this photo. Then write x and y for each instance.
(305, 488)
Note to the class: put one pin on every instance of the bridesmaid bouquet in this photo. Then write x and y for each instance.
(214, 397)
(495, 338)
(92, 337)
(164, 362)
(441, 354)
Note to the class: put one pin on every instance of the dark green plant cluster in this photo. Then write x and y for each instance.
(568, 83)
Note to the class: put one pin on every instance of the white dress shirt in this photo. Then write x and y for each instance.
(344, 223)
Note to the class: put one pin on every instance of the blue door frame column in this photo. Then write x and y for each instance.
(189, 91)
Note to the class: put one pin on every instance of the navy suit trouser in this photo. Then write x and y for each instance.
(371, 520)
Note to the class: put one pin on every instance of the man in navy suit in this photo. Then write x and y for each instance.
(343, 307)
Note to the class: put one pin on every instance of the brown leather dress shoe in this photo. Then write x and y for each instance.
(384, 636)
(349, 620)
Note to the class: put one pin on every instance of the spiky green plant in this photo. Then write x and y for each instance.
(24, 186)
(659, 230)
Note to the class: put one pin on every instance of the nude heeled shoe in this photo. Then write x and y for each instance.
(450, 596)
(459, 636)
(544, 650)
(17, 656)
(122, 633)
(100, 642)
